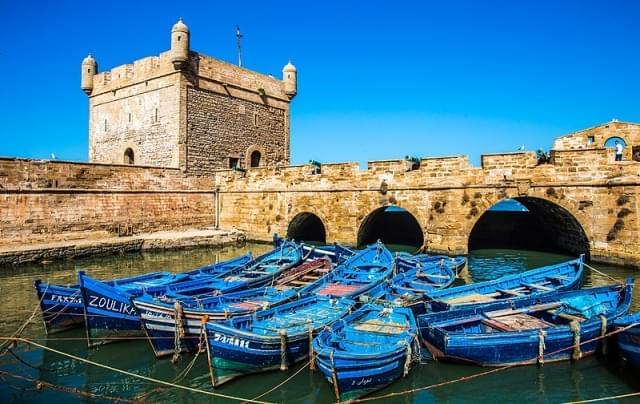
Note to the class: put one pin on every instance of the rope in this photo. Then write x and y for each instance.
(125, 372)
(602, 273)
(603, 331)
(179, 331)
(40, 384)
(541, 346)
(312, 362)
(334, 377)
(593, 400)
(281, 384)
(488, 372)
(407, 361)
(574, 326)
(283, 350)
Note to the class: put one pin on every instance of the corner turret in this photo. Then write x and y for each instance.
(180, 45)
(290, 78)
(89, 69)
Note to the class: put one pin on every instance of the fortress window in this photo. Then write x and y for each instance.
(105, 125)
(590, 140)
(156, 117)
(255, 159)
(233, 162)
(128, 156)
(129, 116)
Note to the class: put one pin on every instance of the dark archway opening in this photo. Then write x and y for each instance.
(307, 227)
(529, 223)
(392, 225)
(255, 158)
(128, 156)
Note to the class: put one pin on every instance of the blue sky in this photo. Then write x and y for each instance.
(377, 80)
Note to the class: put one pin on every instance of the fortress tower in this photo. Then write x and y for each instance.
(186, 110)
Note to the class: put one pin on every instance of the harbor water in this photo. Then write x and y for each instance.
(590, 378)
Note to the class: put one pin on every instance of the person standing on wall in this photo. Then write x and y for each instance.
(619, 148)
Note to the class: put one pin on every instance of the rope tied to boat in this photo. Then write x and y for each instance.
(334, 376)
(603, 332)
(407, 360)
(417, 351)
(179, 331)
(312, 361)
(283, 350)
(575, 329)
(201, 342)
(541, 346)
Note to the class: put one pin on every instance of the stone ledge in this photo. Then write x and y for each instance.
(163, 240)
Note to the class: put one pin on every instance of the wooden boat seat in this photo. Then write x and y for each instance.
(511, 292)
(296, 282)
(427, 275)
(558, 277)
(523, 321)
(248, 305)
(567, 316)
(538, 286)
(380, 327)
(337, 289)
(470, 298)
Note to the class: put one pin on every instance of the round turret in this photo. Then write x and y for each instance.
(89, 69)
(180, 45)
(290, 78)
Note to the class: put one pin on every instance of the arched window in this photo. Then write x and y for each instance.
(611, 142)
(128, 156)
(255, 158)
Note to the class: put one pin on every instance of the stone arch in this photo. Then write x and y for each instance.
(307, 226)
(251, 153)
(610, 142)
(392, 224)
(548, 225)
(129, 156)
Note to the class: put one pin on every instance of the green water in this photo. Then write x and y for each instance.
(592, 377)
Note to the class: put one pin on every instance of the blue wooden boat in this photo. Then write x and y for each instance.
(158, 314)
(415, 279)
(455, 263)
(367, 350)
(110, 316)
(629, 340)
(527, 330)
(357, 275)
(335, 252)
(62, 307)
(270, 339)
(548, 279)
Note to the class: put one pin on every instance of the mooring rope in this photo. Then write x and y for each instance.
(40, 384)
(285, 381)
(602, 273)
(125, 372)
(488, 372)
(594, 400)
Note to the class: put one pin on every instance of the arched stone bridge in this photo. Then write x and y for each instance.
(581, 201)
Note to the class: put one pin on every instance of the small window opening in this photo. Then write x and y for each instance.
(179, 38)
(255, 158)
(413, 163)
(590, 140)
(105, 125)
(88, 70)
(316, 167)
(129, 116)
(156, 117)
(255, 119)
(128, 156)
(635, 150)
(233, 162)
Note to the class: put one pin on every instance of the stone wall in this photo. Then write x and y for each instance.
(223, 127)
(50, 201)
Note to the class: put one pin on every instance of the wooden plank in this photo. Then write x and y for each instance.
(522, 321)
(470, 298)
(511, 292)
(539, 287)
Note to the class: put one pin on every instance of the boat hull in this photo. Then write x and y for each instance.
(629, 340)
(61, 307)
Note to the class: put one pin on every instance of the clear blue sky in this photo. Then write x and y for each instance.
(377, 80)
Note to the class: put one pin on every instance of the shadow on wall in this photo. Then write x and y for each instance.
(542, 226)
(394, 226)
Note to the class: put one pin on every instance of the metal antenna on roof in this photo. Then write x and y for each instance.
(238, 39)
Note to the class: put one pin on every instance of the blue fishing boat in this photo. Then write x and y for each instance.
(158, 314)
(414, 280)
(270, 339)
(455, 263)
(548, 279)
(367, 350)
(110, 316)
(62, 307)
(357, 275)
(629, 339)
(335, 252)
(543, 328)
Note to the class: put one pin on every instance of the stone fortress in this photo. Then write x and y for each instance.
(165, 132)
(185, 110)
